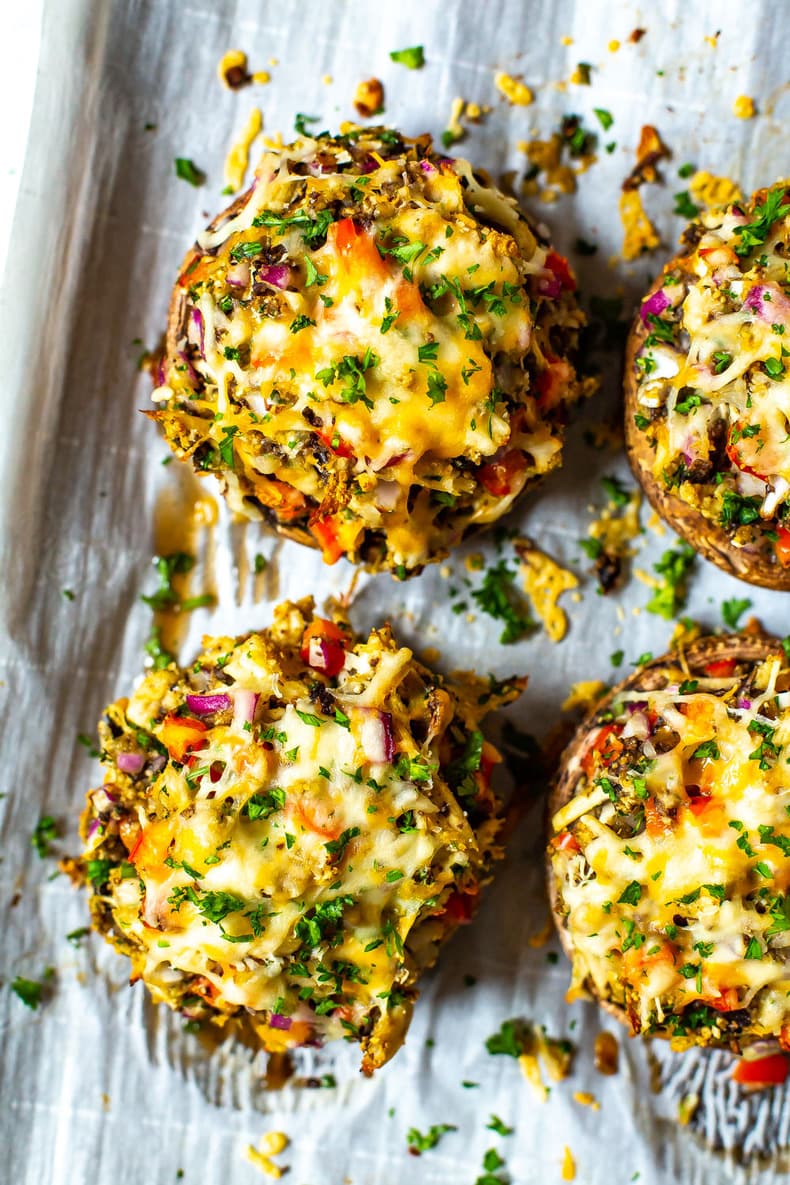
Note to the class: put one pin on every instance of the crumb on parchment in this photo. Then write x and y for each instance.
(568, 1165)
(514, 90)
(369, 98)
(744, 108)
(238, 158)
(544, 582)
(711, 190)
(271, 1144)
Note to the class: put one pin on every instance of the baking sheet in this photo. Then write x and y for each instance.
(99, 1086)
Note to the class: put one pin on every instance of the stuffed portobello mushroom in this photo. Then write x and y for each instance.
(291, 827)
(668, 858)
(372, 349)
(708, 392)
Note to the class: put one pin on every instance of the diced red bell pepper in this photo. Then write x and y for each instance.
(500, 477)
(333, 641)
(180, 734)
(566, 841)
(721, 668)
(782, 547)
(607, 744)
(761, 1071)
(559, 265)
(460, 907)
(325, 532)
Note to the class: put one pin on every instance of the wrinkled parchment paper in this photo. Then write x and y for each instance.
(97, 1085)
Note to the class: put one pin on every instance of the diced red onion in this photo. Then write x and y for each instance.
(193, 374)
(636, 705)
(238, 276)
(130, 763)
(319, 655)
(102, 802)
(744, 703)
(760, 1049)
(387, 494)
(93, 827)
(654, 306)
(376, 736)
(160, 372)
(638, 726)
(427, 167)
(201, 705)
(197, 331)
(276, 274)
(244, 704)
(278, 1021)
(649, 750)
(550, 286)
(768, 302)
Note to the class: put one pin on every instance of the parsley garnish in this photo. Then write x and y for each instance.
(494, 598)
(732, 609)
(44, 832)
(188, 171)
(422, 1143)
(413, 57)
(765, 215)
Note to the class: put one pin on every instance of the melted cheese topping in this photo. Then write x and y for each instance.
(366, 335)
(713, 389)
(283, 845)
(671, 857)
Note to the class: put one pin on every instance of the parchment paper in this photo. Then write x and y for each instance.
(97, 1085)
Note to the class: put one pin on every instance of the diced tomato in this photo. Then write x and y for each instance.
(761, 1071)
(344, 233)
(721, 668)
(552, 381)
(332, 441)
(607, 743)
(782, 547)
(566, 842)
(315, 815)
(460, 907)
(332, 640)
(559, 265)
(325, 531)
(180, 734)
(784, 1037)
(502, 477)
(699, 803)
(726, 1001)
(357, 254)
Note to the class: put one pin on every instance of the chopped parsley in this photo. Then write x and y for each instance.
(45, 830)
(754, 233)
(732, 609)
(684, 206)
(260, 806)
(674, 566)
(738, 510)
(31, 991)
(419, 1142)
(604, 117)
(495, 597)
(187, 170)
(412, 58)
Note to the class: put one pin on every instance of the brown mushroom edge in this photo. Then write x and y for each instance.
(742, 647)
(705, 536)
